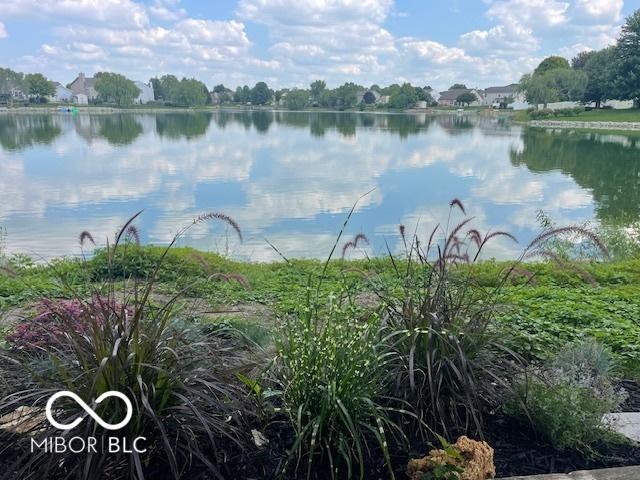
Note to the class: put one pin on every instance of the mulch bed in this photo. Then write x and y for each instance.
(518, 451)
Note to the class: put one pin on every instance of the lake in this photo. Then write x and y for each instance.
(291, 178)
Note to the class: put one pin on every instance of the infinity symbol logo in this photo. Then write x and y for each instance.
(89, 410)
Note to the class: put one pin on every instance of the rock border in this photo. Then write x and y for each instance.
(622, 473)
(629, 126)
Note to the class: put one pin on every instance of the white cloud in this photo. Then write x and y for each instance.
(116, 13)
(3, 31)
(529, 13)
(500, 40)
(314, 12)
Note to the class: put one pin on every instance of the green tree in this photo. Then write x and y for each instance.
(346, 95)
(466, 98)
(404, 97)
(157, 89)
(297, 99)
(369, 98)
(10, 80)
(260, 94)
(628, 60)
(537, 90)
(559, 84)
(599, 85)
(39, 86)
(278, 94)
(458, 86)
(569, 84)
(316, 89)
(219, 89)
(192, 92)
(551, 63)
(116, 88)
(580, 60)
(169, 87)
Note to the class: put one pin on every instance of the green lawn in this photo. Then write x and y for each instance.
(628, 115)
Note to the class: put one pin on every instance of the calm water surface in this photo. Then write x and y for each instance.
(292, 177)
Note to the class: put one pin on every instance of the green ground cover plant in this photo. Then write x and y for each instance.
(566, 397)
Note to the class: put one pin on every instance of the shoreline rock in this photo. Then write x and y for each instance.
(628, 126)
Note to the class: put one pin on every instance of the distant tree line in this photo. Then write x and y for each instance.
(612, 73)
(346, 96)
(34, 85)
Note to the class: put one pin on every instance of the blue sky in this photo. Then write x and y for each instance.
(293, 42)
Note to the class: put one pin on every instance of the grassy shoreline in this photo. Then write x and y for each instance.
(544, 306)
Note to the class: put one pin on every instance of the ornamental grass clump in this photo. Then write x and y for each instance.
(330, 374)
(450, 361)
(330, 371)
(188, 408)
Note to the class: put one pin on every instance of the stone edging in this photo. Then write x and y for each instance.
(622, 473)
(635, 126)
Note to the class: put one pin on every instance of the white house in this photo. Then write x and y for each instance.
(450, 97)
(84, 86)
(146, 92)
(495, 96)
(62, 95)
(80, 99)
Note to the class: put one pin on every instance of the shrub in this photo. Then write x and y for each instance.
(52, 323)
(566, 398)
(186, 400)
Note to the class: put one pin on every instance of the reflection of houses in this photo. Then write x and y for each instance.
(146, 92)
(84, 89)
(62, 95)
(450, 97)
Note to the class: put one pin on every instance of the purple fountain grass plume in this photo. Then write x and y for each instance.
(125, 227)
(133, 233)
(475, 236)
(490, 235)
(458, 204)
(573, 229)
(86, 235)
(586, 276)
(450, 240)
(222, 217)
(361, 237)
(433, 233)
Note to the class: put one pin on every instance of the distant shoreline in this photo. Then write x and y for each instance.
(109, 110)
(582, 125)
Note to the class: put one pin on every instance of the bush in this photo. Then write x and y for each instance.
(568, 396)
(187, 402)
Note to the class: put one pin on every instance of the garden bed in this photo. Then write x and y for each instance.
(303, 368)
